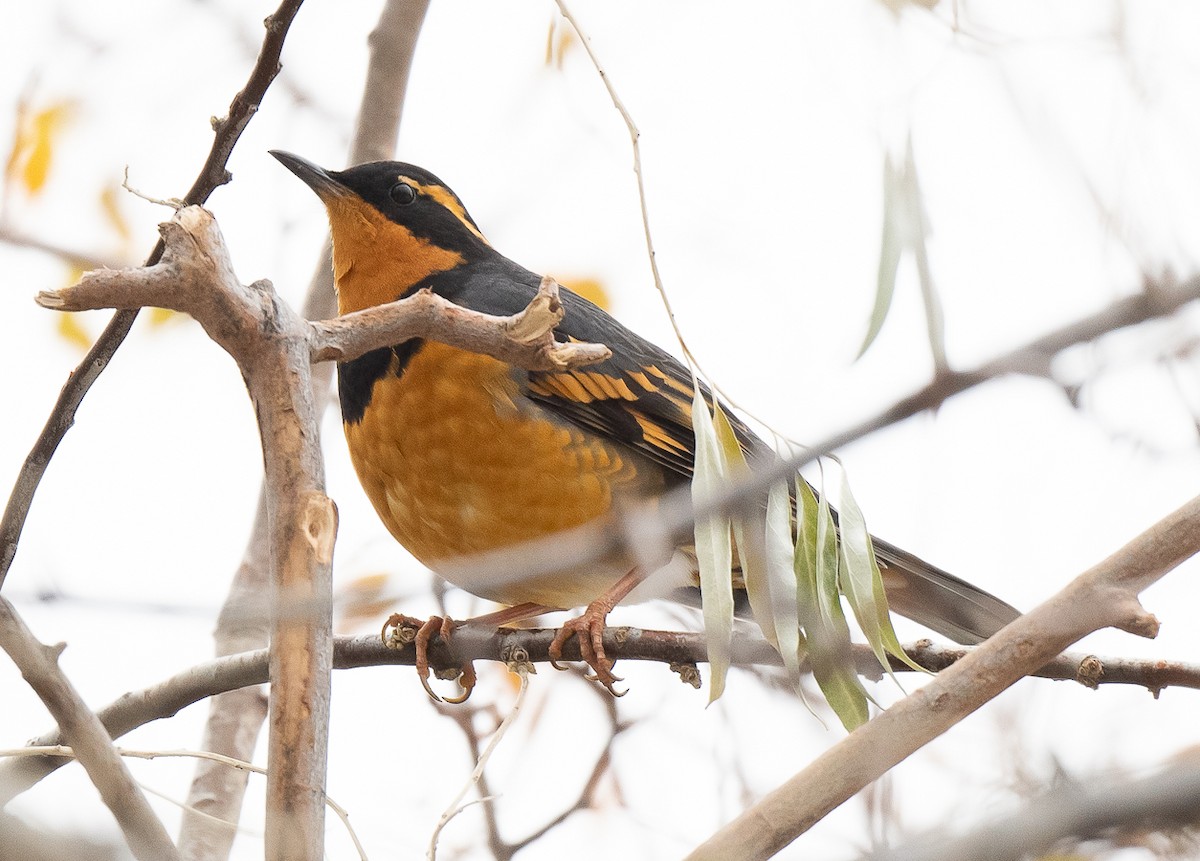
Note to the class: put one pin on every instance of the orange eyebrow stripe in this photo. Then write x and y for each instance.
(445, 198)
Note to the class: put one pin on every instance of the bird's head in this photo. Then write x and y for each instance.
(393, 224)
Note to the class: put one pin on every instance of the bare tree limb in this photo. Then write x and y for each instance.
(248, 669)
(1169, 799)
(525, 339)
(236, 717)
(212, 175)
(1104, 596)
(145, 834)
(269, 343)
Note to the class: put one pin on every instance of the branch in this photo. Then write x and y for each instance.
(679, 650)
(269, 343)
(1104, 596)
(525, 339)
(212, 175)
(195, 276)
(235, 718)
(81, 729)
(1168, 799)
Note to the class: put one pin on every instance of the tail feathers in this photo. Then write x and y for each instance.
(939, 600)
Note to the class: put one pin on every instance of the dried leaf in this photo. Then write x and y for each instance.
(714, 552)
(891, 246)
(559, 41)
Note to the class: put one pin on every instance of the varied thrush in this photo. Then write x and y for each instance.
(462, 454)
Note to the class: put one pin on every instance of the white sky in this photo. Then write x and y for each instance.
(1055, 144)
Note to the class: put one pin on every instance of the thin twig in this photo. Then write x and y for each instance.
(456, 807)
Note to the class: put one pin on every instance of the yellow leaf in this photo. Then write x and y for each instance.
(566, 41)
(33, 147)
(70, 329)
(162, 316)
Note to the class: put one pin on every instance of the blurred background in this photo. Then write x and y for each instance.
(1055, 148)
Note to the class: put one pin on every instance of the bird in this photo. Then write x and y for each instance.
(463, 454)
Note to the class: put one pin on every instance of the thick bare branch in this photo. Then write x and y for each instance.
(81, 729)
(236, 717)
(269, 343)
(1106, 595)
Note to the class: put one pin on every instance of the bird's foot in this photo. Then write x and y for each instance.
(590, 629)
(400, 630)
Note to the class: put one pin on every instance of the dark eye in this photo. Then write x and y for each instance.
(402, 193)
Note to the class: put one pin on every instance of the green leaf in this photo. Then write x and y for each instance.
(863, 584)
(826, 631)
(714, 552)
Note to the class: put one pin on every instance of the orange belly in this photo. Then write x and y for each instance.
(457, 462)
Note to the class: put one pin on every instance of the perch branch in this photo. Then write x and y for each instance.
(245, 670)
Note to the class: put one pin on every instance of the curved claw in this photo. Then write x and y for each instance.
(590, 629)
(406, 629)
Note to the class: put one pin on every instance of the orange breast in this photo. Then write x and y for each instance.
(457, 462)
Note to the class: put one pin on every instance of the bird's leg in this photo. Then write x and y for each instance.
(590, 628)
(407, 629)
